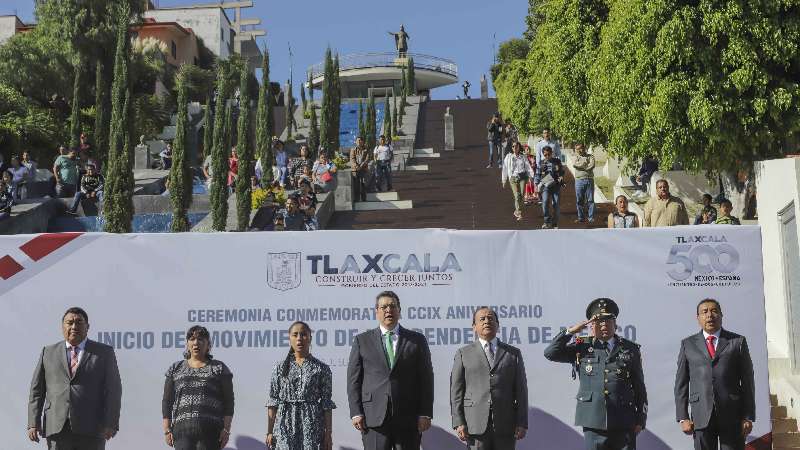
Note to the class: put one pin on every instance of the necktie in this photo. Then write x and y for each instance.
(73, 361)
(389, 348)
(489, 353)
(710, 346)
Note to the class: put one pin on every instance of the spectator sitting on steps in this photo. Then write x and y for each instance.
(725, 217)
(712, 212)
(91, 188)
(648, 168)
(291, 217)
(6, 199)
(166, 157)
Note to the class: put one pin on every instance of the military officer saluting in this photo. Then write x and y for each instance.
(612, 399)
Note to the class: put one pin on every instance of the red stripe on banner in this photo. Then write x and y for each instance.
(762, 443)
(9, 267)
(44, 244)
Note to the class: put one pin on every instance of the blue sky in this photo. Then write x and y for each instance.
(461, 30)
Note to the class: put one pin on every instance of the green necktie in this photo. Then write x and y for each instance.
(389, 348)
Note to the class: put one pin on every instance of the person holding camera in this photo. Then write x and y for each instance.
(495, 136)
(549, 179)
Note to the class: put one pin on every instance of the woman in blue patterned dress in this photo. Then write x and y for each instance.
(299, 404)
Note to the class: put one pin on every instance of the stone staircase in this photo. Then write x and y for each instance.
(382, 200)
(785, 435)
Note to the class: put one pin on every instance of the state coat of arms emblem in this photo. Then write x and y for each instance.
(283, 270)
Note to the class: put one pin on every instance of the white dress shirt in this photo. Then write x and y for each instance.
(81, 346)
(716, 337)
(395, 337)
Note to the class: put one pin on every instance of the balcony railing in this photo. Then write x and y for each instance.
(368, 60)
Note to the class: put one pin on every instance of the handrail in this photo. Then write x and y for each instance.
(388, 59)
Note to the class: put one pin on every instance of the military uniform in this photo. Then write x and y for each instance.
(611, 399)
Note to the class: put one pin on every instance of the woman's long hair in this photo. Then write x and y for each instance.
(290, 356)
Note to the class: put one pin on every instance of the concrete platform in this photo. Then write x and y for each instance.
(417, 167)
(381, 205)
(382, 196)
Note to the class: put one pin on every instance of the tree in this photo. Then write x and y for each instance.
(46, 69)
(118, 198)
(264, 124)
(411, 82)
(289, 109)
(313, 131)
(518, 100)
(509, 51)
(218, 194)
(395, 118)
(180, 176)
(371, 125)
(244, 149)
(327, 120)
(337, 106)
(75, 116)
(402, 111)
(361, 132)
(101, 111)
(387, 117)
(208, 128)
(303, 98)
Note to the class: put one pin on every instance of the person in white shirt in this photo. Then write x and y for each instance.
(383, 157)
(517, 169)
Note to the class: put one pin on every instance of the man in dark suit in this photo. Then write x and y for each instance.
(390, 381)
(612, 398)
(77, 385)
(488, 389)
(715, 376)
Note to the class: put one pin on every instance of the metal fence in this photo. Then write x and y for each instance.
(391, 59)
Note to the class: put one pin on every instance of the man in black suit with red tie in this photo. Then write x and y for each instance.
(390, 381)
(715, 377)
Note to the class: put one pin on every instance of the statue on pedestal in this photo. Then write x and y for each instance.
(142, 155)
(401, 41)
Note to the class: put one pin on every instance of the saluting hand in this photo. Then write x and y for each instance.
(579, 326)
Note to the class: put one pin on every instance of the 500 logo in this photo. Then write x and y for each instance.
(707, 264)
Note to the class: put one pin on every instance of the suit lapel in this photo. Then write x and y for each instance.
(723, 342)
(700, 343)
(482, 355)
(498, 354)
(617, 347)
(402, 339)
(87, 353)
(62, 348)
(380, 346)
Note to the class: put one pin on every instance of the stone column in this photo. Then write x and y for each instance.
(449, 131)
(484, 88)
(141, 159)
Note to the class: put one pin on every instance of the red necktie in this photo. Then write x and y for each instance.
(73, 363)
(710, 346)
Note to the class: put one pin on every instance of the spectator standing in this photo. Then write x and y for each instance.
(642, 179)
(6, 199)
(84, 146)
(621, 217)
(584, 184)
(197, 405)
(547, 141)
(29, 164)
(517, 169)
(3, 164)
(549, 179)
(65, 171)
(324, 174)
(19, 175)
(383, 154)
(725, 217)
(166, 157)
(299, 405)
(530, 188)
(510, 136)
(665, 210)
(233, 168)
(494, 131)
(281, 162)
(359, 165)
(708, 210)
(91, 188)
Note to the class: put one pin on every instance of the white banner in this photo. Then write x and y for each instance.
(142, 292)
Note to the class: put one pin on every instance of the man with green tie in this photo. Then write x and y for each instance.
(390, 381)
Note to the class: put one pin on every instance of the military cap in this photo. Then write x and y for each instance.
(602, 307)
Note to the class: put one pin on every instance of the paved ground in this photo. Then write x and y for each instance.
(458, 191)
